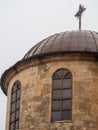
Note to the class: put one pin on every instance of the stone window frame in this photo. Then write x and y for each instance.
(15, 106)
(58, 107)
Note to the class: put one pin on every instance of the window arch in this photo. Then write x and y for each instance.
(61, 95)
(15, 106)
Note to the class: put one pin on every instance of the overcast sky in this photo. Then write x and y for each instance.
(23, 23)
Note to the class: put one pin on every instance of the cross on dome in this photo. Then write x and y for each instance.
(79, 14)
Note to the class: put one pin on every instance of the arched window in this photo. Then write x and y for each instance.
(61, 95)
(15, 106)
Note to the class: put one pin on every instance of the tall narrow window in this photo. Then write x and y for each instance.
(15, 106)
(62, 95)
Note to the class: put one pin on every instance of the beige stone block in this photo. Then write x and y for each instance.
(36, 94)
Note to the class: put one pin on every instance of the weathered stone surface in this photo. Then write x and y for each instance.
(36, 82)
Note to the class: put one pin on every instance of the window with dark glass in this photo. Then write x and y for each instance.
(61, 95)
(15, 106)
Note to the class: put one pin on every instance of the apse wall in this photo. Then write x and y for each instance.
(35, 77)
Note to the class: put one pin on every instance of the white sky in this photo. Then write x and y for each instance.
(23, 23)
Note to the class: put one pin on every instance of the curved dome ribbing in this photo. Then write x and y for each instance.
(70, 41)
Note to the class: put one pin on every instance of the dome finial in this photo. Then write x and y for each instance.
(79, 13)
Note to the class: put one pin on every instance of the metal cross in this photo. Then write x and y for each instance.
(79, 14)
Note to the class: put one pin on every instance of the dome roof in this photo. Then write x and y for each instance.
(80, 41)
(69, 42)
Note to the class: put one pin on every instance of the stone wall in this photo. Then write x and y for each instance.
(36, 81)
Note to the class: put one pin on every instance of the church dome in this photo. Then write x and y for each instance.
(55, 85)
(80, 41)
